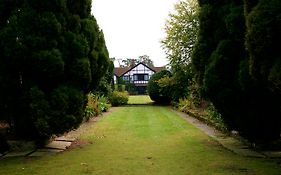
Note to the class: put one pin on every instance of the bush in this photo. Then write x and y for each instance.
(119, 98)
(215, 118)
(103, 103)
(207, 114)
(185, 104)
(91, 109)
(62, 111)
(157, 92)
(95, 106)
(4, 146)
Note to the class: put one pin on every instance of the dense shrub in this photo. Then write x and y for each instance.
(181, 30)
(91, 109)
(52, 53)
(131, 88)
(185, 104)
(215, 118)
(242, 83)
(96, 105)
(103, 103)
(157, 91)
(105, 86)
(4, 146)
(119, 98)
(206, 113)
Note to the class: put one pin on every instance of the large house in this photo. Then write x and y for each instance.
(138, 74)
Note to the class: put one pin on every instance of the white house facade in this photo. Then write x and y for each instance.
(138, 75)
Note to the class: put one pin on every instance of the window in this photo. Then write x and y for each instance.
(146, 77)
(135, 77)
(126, 78)
(141, 77)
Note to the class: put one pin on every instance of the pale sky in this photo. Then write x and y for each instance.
(133, 27)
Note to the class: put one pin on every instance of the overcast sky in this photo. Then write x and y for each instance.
(133, 27)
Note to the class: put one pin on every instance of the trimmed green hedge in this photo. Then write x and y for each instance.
(119, 98)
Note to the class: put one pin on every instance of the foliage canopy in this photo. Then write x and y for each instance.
(241, 76)
(52, 53)
(157, 90)
(181, 35)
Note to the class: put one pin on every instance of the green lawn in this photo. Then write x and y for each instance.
(139, 99)
(142, 140)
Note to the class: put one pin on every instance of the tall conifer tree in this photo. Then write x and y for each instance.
(242, 81)
(52, 54)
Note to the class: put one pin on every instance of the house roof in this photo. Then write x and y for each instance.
(158, 69)
(120, 71)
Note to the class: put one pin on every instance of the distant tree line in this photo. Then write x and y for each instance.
(234, 60)
(52, 53)
(127, 62)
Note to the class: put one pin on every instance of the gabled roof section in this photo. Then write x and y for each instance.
(120, 71)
